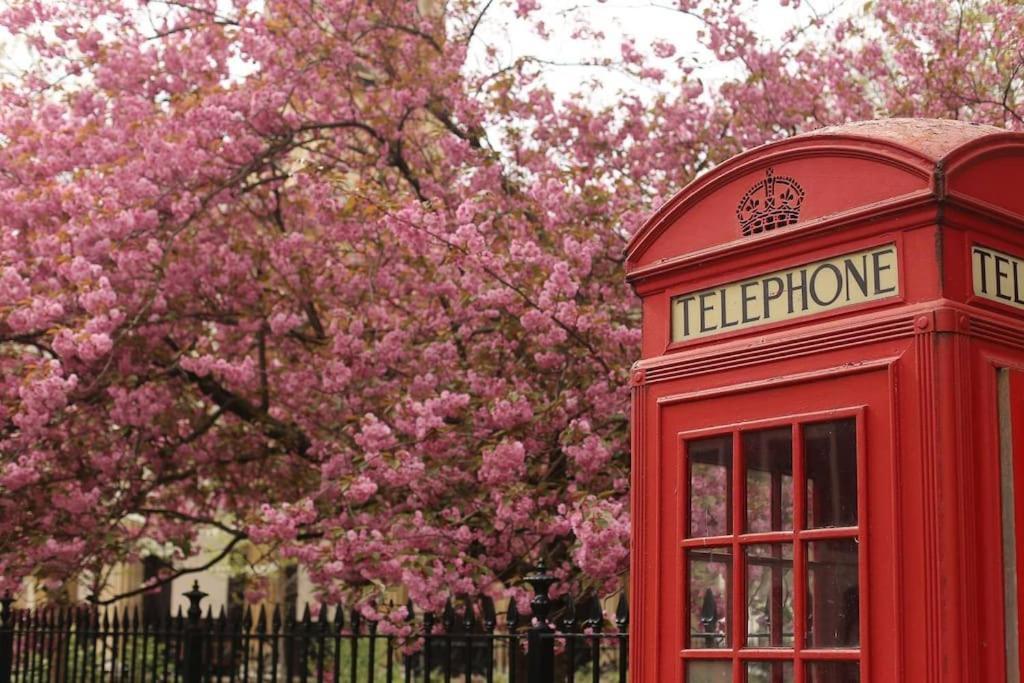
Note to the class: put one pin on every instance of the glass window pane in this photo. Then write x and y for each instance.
(768, 457)
(710, 475)
(710, 575)
(830, 453)
(769, 672)
(770, 595)
(833, 672)
(708, 672)
(833, 595)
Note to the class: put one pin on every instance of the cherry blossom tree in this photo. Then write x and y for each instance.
(300, 271)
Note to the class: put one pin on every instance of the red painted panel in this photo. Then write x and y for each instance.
(993, 178)
(830, 183)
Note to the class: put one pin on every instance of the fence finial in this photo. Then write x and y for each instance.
(490, 616)
(194, 637)
(5, 606)
(541, 581)
(195, 596)
(622, 612)
(540, 644)
(512, 618)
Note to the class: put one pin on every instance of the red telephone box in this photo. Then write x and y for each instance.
(828, 418)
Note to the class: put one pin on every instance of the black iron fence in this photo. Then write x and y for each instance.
(558, 641)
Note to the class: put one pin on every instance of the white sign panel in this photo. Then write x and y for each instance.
(826, 285)
(998, 276)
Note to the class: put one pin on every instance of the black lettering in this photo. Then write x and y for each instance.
(791, 288)
(745, 299)
(983, 269)
(704, 310)
(724, 311)
(769, 296)
(1017, 283)
(858, 276)
(685, 301)
(814, 284)
(1000, 276)
(880, 268)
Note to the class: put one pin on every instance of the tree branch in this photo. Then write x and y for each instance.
(171, 577)
(290, 436)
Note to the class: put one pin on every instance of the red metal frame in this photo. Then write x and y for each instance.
(868, 376)
(739, 539)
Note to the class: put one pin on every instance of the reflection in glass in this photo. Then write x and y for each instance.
(710, 504)
(710, 573)
(833, 672)
(708, 672)
(770, 595)
(833, 607)
(830, 452)
(769, 672)
(768, 456)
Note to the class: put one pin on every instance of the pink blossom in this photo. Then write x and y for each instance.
(374, 435)
(590, 456)
(361, 490)
(526, 7)
(503, 464)
(283, 322)
(663, 49)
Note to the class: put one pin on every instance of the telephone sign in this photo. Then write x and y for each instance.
(811, 288)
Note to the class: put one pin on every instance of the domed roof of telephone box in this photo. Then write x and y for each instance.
(931, 138)
(833, 175)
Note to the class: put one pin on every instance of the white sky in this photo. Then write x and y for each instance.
(644, 20)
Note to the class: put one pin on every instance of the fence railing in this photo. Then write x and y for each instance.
(467, 643)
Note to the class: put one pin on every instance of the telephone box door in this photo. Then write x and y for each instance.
(774, 484)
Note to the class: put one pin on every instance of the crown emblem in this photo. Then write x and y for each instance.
(771, 203)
